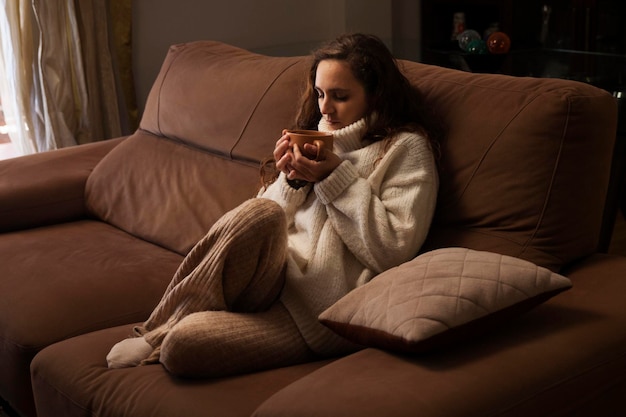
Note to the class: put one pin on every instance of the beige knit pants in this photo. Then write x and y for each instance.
(220, 315)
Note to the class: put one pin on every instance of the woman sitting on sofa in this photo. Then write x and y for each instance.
(248, 295)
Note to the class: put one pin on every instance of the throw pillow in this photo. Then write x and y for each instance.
(440, 297)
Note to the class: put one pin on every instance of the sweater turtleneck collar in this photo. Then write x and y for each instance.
(348, 138)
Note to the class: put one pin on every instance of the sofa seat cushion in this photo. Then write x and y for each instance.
(71, 379)
(64, 282)
(564, 358)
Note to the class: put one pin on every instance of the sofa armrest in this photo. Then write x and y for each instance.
(48, 187)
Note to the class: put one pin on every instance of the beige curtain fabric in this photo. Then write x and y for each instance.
(63, 120)
(17, 53)
(62, 57)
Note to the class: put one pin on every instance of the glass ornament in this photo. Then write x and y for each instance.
(466, 37)
(498, 43)
(477, 46)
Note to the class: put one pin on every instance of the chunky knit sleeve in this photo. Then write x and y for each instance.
(384, 218)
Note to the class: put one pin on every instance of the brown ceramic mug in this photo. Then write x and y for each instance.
(317, 138)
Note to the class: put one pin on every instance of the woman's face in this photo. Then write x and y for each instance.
(341, 97)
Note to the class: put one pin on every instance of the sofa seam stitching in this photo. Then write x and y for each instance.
(245, 126)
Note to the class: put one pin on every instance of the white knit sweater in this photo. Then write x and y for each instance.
(368, 215)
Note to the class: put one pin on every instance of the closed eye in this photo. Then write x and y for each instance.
(337, 94)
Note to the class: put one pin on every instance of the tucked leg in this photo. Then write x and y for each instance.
(238, 266)
(221, 343)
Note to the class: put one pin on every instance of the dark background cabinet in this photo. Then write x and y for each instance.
(582, 40)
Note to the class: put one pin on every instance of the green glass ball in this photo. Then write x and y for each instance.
(477, 46)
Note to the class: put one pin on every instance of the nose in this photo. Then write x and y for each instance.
(326, 106)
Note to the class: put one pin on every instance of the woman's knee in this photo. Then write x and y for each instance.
(180, 353)
(207, 344)
(220, 343)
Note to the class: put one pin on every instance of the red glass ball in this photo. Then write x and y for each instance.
(498, 43)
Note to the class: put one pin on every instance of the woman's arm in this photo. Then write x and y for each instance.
(384, 219)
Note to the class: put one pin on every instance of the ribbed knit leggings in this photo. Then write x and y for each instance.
(220, 315)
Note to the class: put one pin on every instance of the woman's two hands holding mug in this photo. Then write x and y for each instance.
(301, 163)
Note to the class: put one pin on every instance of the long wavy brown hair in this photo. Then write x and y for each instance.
(397, 104)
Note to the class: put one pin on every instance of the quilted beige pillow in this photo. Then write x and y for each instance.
(439, 297)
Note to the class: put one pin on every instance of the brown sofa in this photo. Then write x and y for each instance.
(91, 235)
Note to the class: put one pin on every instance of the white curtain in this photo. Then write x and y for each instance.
(17, 53)
(58, 73)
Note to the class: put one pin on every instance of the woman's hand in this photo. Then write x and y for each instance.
(281, 153)
(300, 164)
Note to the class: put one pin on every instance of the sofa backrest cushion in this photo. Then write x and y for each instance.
(223, 99)
(524, 167)
(214, 112)
(525, 163)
